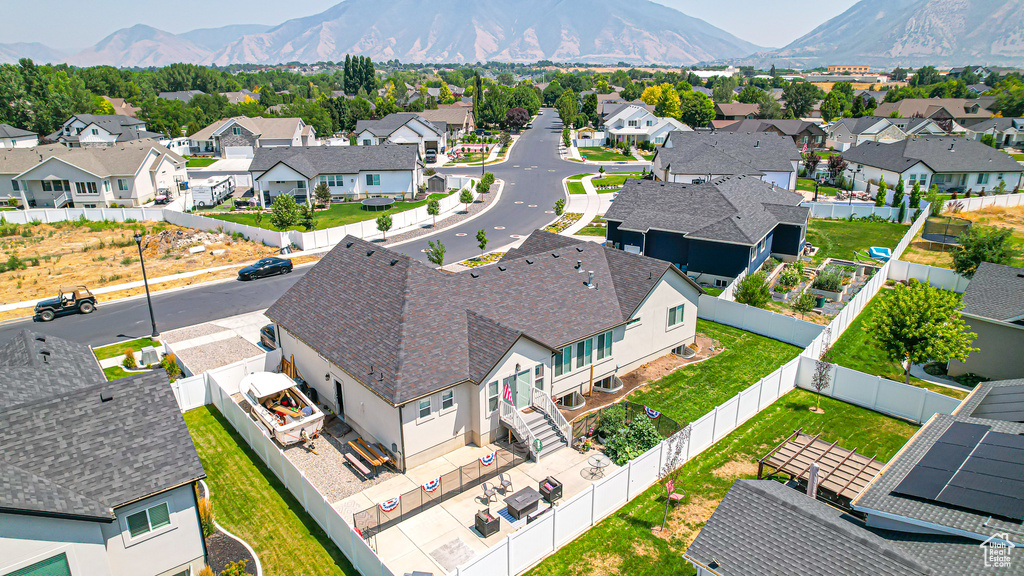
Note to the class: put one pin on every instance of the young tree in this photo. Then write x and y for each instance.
(566, 137)
(433, 208)
(466, 197)
(916, 323)
(935, 203)
(915, 196)
(804, 304)
(384, 224)
(753, 291)
(481, 238)
(836, 166)
(307, 217)
(322, 193)
(284, 213)
(822, 377)
(559, 206)
(435, 252)
(811, 161)
(880, 195)
(979, 245)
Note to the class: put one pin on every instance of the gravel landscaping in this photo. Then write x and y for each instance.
(199, 359)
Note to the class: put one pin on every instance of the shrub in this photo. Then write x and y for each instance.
(632, 441)
(970, 379)
(206, 571)
(830, 279)
(613, 420)
(129, 360)
(753, 291)
(170, 365)
(559, 206)
(789, 278)
(206, 516)
(234, 569)
(488, 178)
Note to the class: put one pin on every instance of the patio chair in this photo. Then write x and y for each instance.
(506, 482)
(490, 492)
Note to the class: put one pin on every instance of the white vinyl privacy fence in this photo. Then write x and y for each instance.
(978, 202)
(764, 322)
(944, 278)
(48, 215)
(858, 209)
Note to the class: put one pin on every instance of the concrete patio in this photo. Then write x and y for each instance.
(441, 538)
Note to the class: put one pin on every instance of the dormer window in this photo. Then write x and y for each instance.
(236, 131)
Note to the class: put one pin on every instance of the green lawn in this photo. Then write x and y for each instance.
(806, 184)
(580, 176)
(630, 540)
(119, 348)
(614, 179)
(857, 349)
(116, 373)
(648, 157)
(712, 291)
(226, 206)
(251, 503)
(841, 238)
(200, 162)
(597, 227)
(575, 187)
(1018, 157)
(688, 394)
(337, 215)
(600, 154)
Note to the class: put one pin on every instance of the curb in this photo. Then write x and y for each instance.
(259, 566)
(497, 197)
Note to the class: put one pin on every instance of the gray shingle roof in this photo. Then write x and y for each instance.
(387, 125)
(727, 153)
(998, 124)
(940, 153)
(997, 400)
(864, 124)
(422, 330)
(997, 292)
(879, 496)
(764, 527)
(185, 96)
(120, 160)
(8, 131)
(125, 127)
(736, 209)
(53, 366)
(787, 127)
(311, 161)
(65, 452)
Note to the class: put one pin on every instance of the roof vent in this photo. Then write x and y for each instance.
(474, 274)
(757, 144)
(394, 261)
(369, 252)
(502, 268)
(106, 396)
(528, 261)
(1020, 275)
(590, 279)
(40, 338)
(579, 249)
(579, 265)
(554, 255)
(951, 147)
(349, 244)
(45, 354)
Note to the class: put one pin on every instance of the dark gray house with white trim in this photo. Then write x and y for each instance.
(713, 231)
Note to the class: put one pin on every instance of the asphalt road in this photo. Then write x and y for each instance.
(532, 175)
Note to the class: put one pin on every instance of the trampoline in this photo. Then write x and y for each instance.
(944, 231)
(377, 203)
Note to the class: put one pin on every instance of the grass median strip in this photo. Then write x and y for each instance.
(250, 502)
(336, 215)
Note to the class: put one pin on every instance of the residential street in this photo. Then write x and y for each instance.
(532, 176)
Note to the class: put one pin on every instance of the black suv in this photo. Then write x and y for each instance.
(69, 300)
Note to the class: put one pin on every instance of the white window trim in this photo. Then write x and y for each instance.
(68, 550)
(122, 518)
(454, 405)
(682, 319)
(634, 322)
(421, 419)
(487, 397)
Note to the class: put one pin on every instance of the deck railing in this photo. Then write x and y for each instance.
(541, 400)
(513, 419)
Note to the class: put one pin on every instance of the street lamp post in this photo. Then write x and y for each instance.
(145, 282)
(853, 181)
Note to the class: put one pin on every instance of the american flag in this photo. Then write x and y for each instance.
(507, 393)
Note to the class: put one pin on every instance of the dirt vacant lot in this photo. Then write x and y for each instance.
(37, 259)
(924, 252)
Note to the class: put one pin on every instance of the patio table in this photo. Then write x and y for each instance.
(598, 462)
(523, 502)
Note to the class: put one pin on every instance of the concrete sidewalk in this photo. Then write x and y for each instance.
(589, 206)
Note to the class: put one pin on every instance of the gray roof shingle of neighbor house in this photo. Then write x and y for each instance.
(119, 160)
(996, 292)
(765, 527)
(727, 153)
(940, 153)
(387, 125)
(735, 209)
(8, 131)
(311, 161)
(185, 96)
(406, 330)
(787, 127)
(73, 444)
(267, 128)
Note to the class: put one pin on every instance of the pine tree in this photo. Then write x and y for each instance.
(915, 195)
(880, 195)
(897, 193)
(347, 87)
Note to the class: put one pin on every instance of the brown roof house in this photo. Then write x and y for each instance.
(424, 362)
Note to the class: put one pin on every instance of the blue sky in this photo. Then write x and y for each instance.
(75, 24)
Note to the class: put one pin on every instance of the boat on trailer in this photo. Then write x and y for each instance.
(276, 402)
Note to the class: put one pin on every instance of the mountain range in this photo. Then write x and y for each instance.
(880, 33)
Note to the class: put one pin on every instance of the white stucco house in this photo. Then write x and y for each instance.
(403, 128)
(237, 137)
(420, 361)
(701, 156)
(56, 176)
(351, 172)
(948, 162)
(632, 123)
(98, 476)
(11, 137)
(848, 132)
(99, 130)
(1005, 132)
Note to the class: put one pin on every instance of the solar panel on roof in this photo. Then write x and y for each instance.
(945, 456)
(964, 434)
(924, 482)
